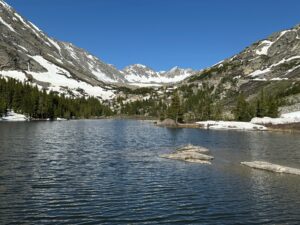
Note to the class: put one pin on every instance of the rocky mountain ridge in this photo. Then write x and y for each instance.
(274, 58)
(27, 53)
(271, 64)
(138, 73)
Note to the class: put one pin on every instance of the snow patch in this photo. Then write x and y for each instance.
(260, 72)
(54, 43)
(14, 74)
(278, 79)
(34, 26)
(7, 25)
(260, 79)
(286, 118)
(59, 78)
(71, 51)
(230, 125)
(12, 116)
(263, 47)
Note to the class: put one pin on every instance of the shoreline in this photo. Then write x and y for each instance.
(291, 127)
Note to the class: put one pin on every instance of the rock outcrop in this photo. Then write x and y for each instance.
(271, 167)
(190, 153)
(167, 123)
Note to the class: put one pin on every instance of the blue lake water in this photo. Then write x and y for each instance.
(110, 172)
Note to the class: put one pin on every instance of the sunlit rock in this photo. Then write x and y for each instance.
(271, 167)
(190, 153)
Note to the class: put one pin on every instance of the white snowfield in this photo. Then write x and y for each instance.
(18, 75)
(59, 79)
(12, 116)
(255, 124)
(264, 45)
(286, 118)
(151, 78)
(230, 125)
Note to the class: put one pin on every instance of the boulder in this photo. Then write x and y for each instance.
(190, 154)
(167, 123)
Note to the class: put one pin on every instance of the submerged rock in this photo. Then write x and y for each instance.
(271, 167)
(193, 148)
(190, 153)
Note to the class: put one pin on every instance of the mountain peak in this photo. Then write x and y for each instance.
(24, 47)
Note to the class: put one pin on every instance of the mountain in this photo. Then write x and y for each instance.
(272, 64)
(138, 73)
(27, 53)
(274, 58)
(262, 80)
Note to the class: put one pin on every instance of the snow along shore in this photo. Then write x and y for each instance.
(12, 116)
(287, 118)
(230, 125)
(255, 124)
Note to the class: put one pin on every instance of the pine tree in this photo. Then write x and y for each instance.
(175, 111)
(243, 110)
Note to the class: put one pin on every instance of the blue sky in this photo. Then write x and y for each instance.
(161, 33)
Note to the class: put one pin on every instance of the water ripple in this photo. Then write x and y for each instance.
(109, 172)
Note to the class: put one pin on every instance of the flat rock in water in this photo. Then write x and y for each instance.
(192, 148)
(190, 154)
(271, 167)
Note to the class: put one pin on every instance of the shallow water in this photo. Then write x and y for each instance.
(109, 172)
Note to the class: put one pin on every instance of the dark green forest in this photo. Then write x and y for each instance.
(187, 103)
(26, 99)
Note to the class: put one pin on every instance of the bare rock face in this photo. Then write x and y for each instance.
(20, 39)
(190, 153)
(271, 167)
(269, 63)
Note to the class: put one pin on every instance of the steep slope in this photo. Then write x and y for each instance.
(22, 43)
(272, 64)
(26, 53)
(275, 58)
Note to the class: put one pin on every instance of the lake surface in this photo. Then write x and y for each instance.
(109, 172)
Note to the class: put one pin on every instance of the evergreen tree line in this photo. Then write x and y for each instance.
(187, 106)
(264, 105)
(183, 106)
(26, 99)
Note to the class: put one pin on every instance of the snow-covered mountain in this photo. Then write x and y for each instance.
(27, 53)
(138, 73)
